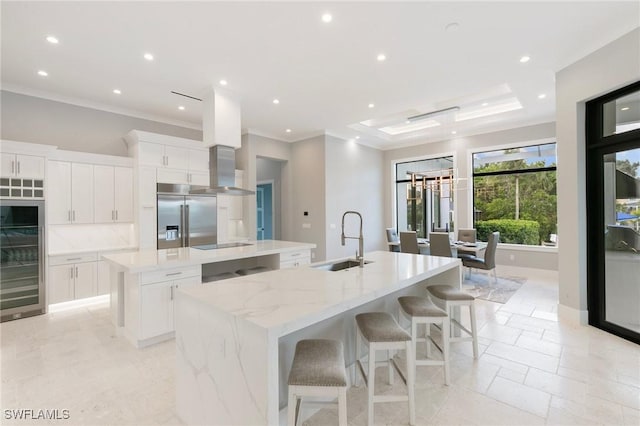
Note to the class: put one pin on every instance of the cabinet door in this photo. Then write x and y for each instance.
(81, 193)
(104, 189)
(173, 176)
(123, 199)
(183, 283)
(199, 160)
(199, 178)
(60, 283)
(59, 192)
(86, 280)
(151, 154)
(176, 158)
(7, 164)
(30, 166)
(156, 309)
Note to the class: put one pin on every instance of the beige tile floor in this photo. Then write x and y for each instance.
(532, 370)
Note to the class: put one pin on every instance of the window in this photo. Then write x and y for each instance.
(514, 192)
(426, 202)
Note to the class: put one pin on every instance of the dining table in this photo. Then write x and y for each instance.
(461, 247)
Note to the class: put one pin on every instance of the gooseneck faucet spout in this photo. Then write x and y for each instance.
(360, 253)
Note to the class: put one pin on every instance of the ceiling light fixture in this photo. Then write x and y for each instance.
(148, 56)
(42, 73)
(485, 104)
(117, 91)
(326, 18)
(525, 59)
(453, 132)
(357, 137)
(624, 109)
(542, 95)
(453, 26)
(371, 105)
(223, 82)
(288, 130)
(433, 113)
(381, 57)
(52, 40)
(276, 101)
(181, 108)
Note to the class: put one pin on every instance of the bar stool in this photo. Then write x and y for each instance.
(382, 332)
(451, 298)
(317, 370)
(421, 310)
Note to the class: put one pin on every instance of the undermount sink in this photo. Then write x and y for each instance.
(341, 266)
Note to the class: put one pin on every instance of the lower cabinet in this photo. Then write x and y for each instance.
(156, 306)
(295, 259)
(72, 277)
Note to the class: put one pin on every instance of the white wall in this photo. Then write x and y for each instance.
(354, 181)
(74, 128)
(460, 148)
(611, 67)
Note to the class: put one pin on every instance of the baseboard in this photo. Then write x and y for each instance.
(573, 316)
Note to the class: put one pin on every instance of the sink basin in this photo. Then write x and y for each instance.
(341, 266)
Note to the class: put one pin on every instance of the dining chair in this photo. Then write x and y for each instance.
(409, 242)
(392, 237)
(439, 244)
(467, 235)
(489, 261)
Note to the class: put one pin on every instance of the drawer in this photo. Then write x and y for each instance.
(73, 258)
(170, 274)
(293, 255)
(295, 263)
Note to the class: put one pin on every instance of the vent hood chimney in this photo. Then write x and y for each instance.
(221, 133)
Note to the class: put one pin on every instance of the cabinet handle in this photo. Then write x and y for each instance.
(116, 214)
(171, 292)
(112, 216)
(295, 254)
(74, 258)
(76, 272)
(13, 167)
(18, 167)
(173, 274)
(71, 270)
(74, 215)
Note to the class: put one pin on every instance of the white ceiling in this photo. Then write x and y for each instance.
(324, 75)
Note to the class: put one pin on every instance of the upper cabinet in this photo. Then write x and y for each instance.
(21, 166)
(159, 155)
(70, 196)
(113, 189)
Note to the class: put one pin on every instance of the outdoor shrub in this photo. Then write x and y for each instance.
(511, 230)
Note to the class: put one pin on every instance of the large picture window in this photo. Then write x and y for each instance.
(514, 192)
(424, 203)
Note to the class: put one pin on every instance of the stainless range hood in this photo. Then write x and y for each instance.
(222, 173)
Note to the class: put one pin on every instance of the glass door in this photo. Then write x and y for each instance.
(613, 212)
(21, 263)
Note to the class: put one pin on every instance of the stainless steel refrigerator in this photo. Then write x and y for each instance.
(185, 220)
(22, 288)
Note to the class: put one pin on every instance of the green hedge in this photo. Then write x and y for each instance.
(511, 230)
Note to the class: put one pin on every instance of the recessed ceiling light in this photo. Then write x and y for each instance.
(624, 109)
(276, 101)
(52, 40)
(117, 91)
(357, 137)
(371, 105)
(542, 95)
(148, 56)
(381, 57)
(485, 104)
(453, 26)
(223, 82)
(453, 132)
(525, 59)
(288, 130)
(327, 18)
(43, 73)
(181, 108)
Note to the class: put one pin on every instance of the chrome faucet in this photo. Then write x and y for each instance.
(360, 253)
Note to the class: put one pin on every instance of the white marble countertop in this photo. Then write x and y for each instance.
(286, 300)
(155, 260)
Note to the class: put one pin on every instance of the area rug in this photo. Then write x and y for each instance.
(482, 286)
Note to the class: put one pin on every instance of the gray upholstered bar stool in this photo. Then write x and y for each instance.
(382, 332)
(451, 298)
(421, 310)
(317, 370)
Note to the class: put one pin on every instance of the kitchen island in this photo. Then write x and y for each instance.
(144, 282)
(235, 338)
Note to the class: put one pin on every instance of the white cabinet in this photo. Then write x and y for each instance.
(294, 259)
(175, 165)
(159, 155)
(72, 277)
(70, 192)
(21, 166)
(113, 189)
